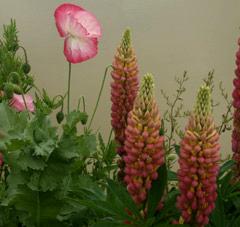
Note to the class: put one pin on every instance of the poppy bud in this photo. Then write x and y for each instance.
(14, 77)
(8, 90)
(60, 117)
(84, 118)
(26, 68)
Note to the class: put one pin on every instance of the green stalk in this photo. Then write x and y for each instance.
(69, 86)
(25, 53)
(99, 96)
(109, 138)
(38, 210)
(25, 103)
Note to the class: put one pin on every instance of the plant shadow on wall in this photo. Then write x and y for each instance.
(74, 178)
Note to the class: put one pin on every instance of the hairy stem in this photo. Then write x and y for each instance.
(69, 86)
(99, 96)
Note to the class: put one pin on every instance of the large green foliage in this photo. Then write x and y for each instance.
(40, 163)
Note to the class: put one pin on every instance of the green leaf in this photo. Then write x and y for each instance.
(236, 222)
(218, 215)
(236, 202)
(8, 217)
(169, 225)
(54, 174)
(108, 224)
(177, 149)
(110, 152)
(101, 142)
(11, 122)
(72, 120)
(73, 146)
(156, 192)
(172, 176)
(225, 167)
(169, 208)
(120, 199)
(36, 208)
(87, 145)
(82, 184)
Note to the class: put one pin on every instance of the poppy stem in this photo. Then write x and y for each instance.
(99, 96)
(25, 104)
(69, 86)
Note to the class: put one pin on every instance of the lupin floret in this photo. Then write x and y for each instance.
(143, 144)
(199, 157)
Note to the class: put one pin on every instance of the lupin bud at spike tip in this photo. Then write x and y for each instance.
(143, 144)
(124, 90)
(199, 157)
(203, 104)
(236, 118)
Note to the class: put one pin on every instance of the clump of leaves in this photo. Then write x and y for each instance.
(41, 163)
(14, 70)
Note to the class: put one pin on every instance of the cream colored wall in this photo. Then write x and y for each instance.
(169, 36)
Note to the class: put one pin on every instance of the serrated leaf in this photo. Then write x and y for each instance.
(73, 118)
(54, 174)
(11, 122)
(87, 145)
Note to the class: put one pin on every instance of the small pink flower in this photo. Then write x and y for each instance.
(81, 31)
(17, 103)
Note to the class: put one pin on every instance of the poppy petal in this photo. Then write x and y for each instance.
(17, 102)
(89, 21)
(67, 15)
(80, 49)
(64, 14)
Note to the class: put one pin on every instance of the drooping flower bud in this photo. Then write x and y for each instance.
(143, 144)
(199, 157)
(236, 118)
(123, 91)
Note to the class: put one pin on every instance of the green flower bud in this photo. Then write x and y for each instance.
(60, 117)
(172, 157)
(8, 90)
(26, 68)
(14, 77)
(16, 89)
(84, 118)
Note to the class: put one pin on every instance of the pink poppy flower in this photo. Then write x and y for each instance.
(81, 31)
(17, 103)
